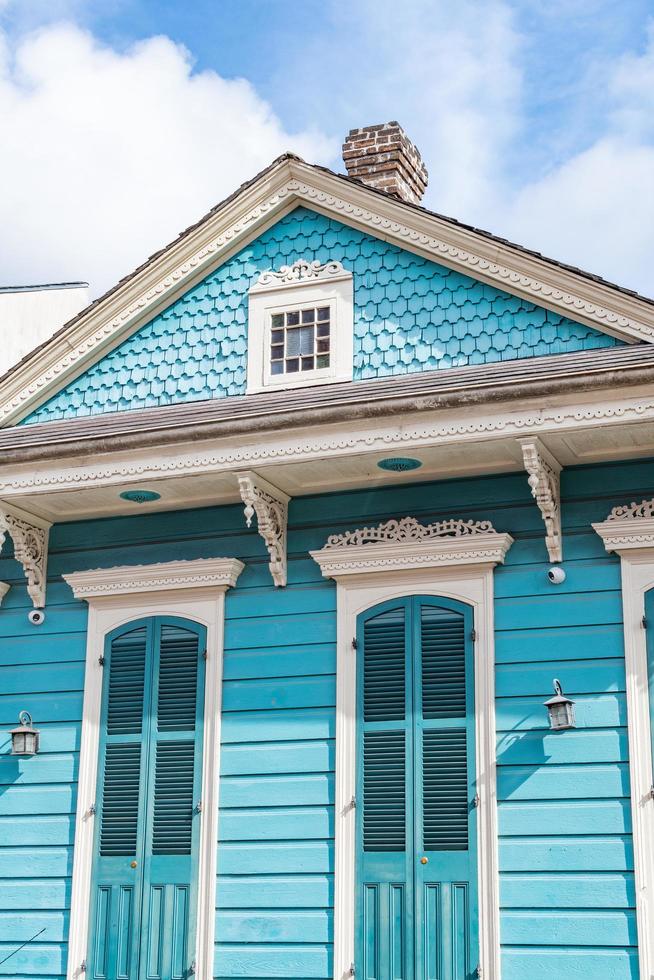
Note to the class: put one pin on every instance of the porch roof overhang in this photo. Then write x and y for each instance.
(583, 408)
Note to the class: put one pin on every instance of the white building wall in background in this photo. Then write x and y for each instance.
(29, 315)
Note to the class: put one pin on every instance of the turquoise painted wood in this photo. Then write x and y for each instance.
(649, 621)
(143, 900)
(277, 761)
(410, 315)
(416, 827)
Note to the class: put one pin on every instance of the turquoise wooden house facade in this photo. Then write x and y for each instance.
(301, 523)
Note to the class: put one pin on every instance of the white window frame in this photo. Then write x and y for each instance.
(454, 559)
(629, 532)
(193, 590)
(301, 285)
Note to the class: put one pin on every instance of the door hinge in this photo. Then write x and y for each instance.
(198, 806)
(643, 622)
(355, 645)
(93, 810)
(82, 966)
(101, 661)
(650, 794)
(473, 635)
(351, 972)
(192, 969)
(204, 655)
(479, 972)
(477, 800)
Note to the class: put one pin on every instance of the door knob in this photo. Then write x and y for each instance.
(424, 860)
(133, 864)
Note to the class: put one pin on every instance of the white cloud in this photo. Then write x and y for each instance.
(106, 156)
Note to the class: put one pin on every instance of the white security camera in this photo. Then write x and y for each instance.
(555, 574)
(36, 617)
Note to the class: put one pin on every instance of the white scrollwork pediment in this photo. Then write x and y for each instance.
(406, 543)
(628, 527)
(300, 273)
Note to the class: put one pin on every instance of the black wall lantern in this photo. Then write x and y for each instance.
(561, 709)
(25, 738)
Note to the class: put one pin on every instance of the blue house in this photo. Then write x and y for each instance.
(303, 523)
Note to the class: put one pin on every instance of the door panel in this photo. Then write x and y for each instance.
(416, 822)
(149, 783)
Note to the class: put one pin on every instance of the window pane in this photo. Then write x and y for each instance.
(278, 320)
(322, 361)
(323, 330)
(277, 336)
(323, 346)
(292, 318)
(307, 364)
(308, 316)
(277, 367)
(306, 340)
(293, 365)
(323, 313)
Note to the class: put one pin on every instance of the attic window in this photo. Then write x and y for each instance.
(299, 340)
(300, 326)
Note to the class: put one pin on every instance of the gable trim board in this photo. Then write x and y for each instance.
(629, 532)
(287, 183)
(361, 583)
(194, 590)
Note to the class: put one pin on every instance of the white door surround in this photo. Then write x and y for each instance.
(629, 532)
(454, 559)
(192, 590)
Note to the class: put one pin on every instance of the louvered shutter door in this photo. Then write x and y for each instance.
(174, 790)
(384, 747)
(122, 776)
(444, 789)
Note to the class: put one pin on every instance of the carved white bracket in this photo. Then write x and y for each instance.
(407, 544)
(4, 589)
(544, 479)
(30, 537)
(271, 507)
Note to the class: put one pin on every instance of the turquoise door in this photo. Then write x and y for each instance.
(143, 899)
(416, 817)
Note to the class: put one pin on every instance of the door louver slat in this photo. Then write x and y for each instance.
(173, 798)
(120, 800)
(443, 663)
(383, 667)
(445, 790)
(384, 803)
(178, 679)
(126, 683)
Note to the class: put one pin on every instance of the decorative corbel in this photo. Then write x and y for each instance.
(544, 479)
(271, 507)
(30, 537)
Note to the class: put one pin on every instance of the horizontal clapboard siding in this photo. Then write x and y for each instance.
(278, 729)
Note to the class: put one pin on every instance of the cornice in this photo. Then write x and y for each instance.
(628, 527)
(334, 441)
(289, 183)
(216, 573)
(407, 544)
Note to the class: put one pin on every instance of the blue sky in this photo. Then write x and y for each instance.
(127, 119)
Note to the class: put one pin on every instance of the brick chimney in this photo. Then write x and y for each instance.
(384, 157)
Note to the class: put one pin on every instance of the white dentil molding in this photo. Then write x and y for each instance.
(30, 536)
(163, 576)
(196, 592)
(292, 182)
(545, 484)
(271, 508)
(363, 584)
(448, 427)
(629, 531)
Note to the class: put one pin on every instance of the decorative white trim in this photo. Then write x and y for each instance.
(4, 589)
(446, 428)
(289, 183)
(356, 592)
(406, 544)
(299, 274)
(545, 483)
(203, 602)
(177, 575)
(30, 536)
(271, 507)
(629, 531)
(301, 285)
